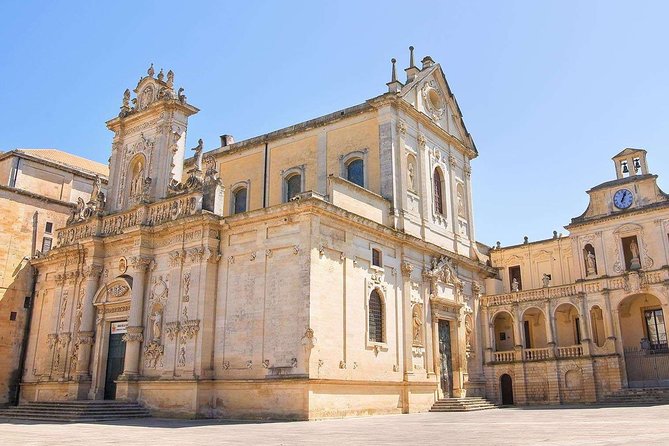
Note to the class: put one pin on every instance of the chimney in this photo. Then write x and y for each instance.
(226, 140)
(427, 62)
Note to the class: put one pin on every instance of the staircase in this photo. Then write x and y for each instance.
(462, 404)
(74, 411)
(638, 397)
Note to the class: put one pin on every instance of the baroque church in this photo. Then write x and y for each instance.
(331, 269)
(325, 269)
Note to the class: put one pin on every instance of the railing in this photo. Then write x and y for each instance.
(645, 278)
(508, 356)
(540, 354)
(148, 214)
(573, 351)
(536, 354)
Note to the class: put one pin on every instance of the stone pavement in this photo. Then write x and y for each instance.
(556, 426)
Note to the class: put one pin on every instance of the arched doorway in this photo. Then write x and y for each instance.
(644, 338)
(506, 389)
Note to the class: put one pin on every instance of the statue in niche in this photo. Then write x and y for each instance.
(157, 325)
(590, 262)
(461, 203)
(468, 336)
(198, 154)
(411, 173)
(515, 286)
(137, 184)
(634, 248)
(182, 356)
(417, 325)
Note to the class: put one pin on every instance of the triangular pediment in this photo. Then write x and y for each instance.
(430, 94)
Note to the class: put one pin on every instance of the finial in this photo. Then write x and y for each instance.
(411, 64)
(170, 78)
(160, 75)
(150, 71)
(498, 245)
(526, 240)
(393, 76)
(555, 234)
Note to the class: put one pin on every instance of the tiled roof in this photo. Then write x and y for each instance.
(67, 159)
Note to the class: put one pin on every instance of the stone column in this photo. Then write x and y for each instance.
(86, 327)
(134, 337)
(608, 318)
(407, 268)
(487, 336)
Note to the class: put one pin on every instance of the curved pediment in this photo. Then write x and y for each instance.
(118, 290)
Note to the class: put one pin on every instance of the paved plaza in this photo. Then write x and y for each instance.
(559, 426)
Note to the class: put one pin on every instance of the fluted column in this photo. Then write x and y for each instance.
(134, 337)
(86, 327)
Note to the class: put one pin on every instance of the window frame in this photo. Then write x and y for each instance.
(346, 159)
(438, 200)
(286, 175)
(381, 318)
(236, 188)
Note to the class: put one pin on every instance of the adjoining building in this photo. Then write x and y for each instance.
(39, 189)
(325, 269)
(578, 318)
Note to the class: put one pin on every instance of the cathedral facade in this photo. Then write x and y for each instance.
(325, 269)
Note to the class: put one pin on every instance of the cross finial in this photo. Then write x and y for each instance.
(150, 71)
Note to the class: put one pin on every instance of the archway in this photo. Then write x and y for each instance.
(504, 337)
(534, 329)
(567, 325)
(644, 338)
(506, 389)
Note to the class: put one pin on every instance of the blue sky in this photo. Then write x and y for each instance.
(550, 90)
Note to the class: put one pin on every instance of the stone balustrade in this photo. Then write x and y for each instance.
(151, 214)
(573, 351)
(540, 354)
(537, 354)
(626, 281)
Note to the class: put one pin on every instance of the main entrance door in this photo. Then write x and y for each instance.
(115, 358)
(506, 386)
(445, 358)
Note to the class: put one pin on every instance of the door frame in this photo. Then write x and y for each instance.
(106, 362)
(441, 359)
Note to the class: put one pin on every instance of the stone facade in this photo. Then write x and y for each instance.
(576, 318)
(322, 270)
(38, 189)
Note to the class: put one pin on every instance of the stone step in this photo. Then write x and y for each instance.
(462, 404)
(75, 411)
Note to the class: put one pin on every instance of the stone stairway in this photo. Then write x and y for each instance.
(74, 411)
(462, 404)
(638, 397)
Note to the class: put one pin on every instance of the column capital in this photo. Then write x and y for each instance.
(407, 268)
(142, 263)
(92, 271)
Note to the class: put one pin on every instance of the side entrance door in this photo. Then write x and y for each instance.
(115, 358)
(445, 358)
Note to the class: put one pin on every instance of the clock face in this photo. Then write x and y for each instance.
(623, 199)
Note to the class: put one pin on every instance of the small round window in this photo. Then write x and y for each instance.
(435, 99)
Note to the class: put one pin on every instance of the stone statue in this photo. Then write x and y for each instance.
(635, 250)
(198, 154)
(590, 262)
(182, 356)
(137, 180)
(150, 71)
(97, 184)
(417, 325)
(80, 208)
(411, 174)
(181, 96)
(546, 279)
(515, 286)
(161, 75)
(157, 319)
(126, 98)
(170, 78)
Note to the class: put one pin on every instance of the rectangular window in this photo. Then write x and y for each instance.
(376, 257)
(46, 244)
(48, 228)
(514, 273)
(12, 316)
(656, 331)
(26, 302)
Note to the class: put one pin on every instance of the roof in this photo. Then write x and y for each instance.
(629, 151)
(67, 159)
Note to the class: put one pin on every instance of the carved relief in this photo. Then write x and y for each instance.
(417, 317)
(186, 287)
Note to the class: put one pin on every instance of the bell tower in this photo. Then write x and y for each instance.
(630, 162)
(148, 148)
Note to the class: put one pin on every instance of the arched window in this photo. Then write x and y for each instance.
(438, 193)
(239, 200)
(355, 172)
(375, 317)
(293, 186)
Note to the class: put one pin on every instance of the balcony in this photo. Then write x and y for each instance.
(539, 354)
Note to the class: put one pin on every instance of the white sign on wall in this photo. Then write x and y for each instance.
(119, 327)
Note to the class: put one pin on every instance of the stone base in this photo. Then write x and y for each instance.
(283, 399)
